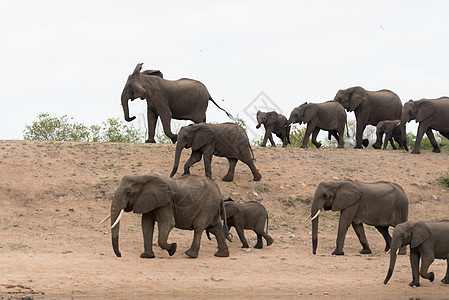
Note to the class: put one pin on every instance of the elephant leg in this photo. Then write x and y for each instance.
(194, 158)
(217, 230)
(360, 231)
(241, 233)
(230, 175)
(361, 124)
(422, 128)
(339, 135)
(265, 138)
(384, 232)
(445, 280)
(433, 141)
(314, 136)
(152, 121)
(207, 158)
(307, 134)
(195, 247)
(166, 121)
(147, 230)
(166, 222)
(414, 262)
(273, 144)
(388, 139)
(427, 258)
(256, 174)
(261, 233)
(346, 217)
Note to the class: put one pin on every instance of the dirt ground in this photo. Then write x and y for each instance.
(55, 193)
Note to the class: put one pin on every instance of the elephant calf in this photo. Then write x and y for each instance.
(274, 123)
(250, 215)
(392, 131)
(427, 240)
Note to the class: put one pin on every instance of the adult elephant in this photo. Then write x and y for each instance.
(273, 123)
(182, 99)
(225, 140)
(380, 204)
(427, 240)
(190, 202)
(330, 116)
(392, 132)
(430, 114)
(369, 107)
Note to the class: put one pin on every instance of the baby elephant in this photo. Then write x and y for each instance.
(392, 131)
(273, 123)
(427, 240)
(249, 215)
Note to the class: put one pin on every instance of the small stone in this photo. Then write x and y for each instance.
(434, 197)
(218, 277)
(256, 194)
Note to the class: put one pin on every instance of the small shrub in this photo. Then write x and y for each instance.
(444, 179)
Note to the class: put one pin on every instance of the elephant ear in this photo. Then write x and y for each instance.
(153, 73)
(231, 208)
(425, 111)
(272, 118)
(346, 195)
(202, 136)
(155, 193)
(421, 232)
(137, 69)
(310, 112)
(357, 97)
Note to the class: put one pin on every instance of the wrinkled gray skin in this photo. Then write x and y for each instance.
(369, 107)
(392, 132)
(430, 114)
(225, 140)
(249, 215)
(273, 123)
(380, 204)
(190, 202)
(427, 240)
(183, 99)
(329, 116)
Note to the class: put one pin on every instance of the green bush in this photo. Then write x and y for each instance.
(48, 128)
(425, 142)
(444, 179)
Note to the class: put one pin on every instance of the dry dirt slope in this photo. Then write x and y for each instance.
(55, 193)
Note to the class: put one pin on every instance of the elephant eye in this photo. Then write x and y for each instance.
(324, 195)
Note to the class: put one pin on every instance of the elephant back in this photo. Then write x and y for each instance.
(230, 140)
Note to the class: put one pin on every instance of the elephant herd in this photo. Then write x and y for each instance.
(193, 202)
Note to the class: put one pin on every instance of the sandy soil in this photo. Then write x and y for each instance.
(54, 195)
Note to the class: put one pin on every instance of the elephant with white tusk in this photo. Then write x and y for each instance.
(191, 202)
(380, 204)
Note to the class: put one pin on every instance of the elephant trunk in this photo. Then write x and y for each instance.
(403, 132)
(314, 214)
(179, 148)
(115, 212)
(393, 256)
(125, 99)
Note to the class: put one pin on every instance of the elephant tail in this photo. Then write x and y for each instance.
(225, 222)
(229, 115)
(266, 227)
(208, 234)
(288, 134)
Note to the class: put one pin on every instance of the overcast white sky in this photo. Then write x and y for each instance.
(73, 57)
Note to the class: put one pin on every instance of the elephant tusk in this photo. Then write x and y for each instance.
(397, 251)
(398, 124)
(389, 250)
(316, 215)
(308, 218)
(118, 218)
(105, 219)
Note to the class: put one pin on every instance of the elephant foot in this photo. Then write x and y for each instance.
(431, 277)
(366, 251)
(269, 241)
(375, 146)
(258, 246)
(186, 173)
(222, 253)
(191, 253)
(152, 141)
(358, 147)
(146, 254)
(172, 249)
(257, 177)
(414, 284)
(318, 145)
(303, 146)
(336, 252)
(245, 246)
(436, 150)
(416, 151)
(445, 280)
(228, 178)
